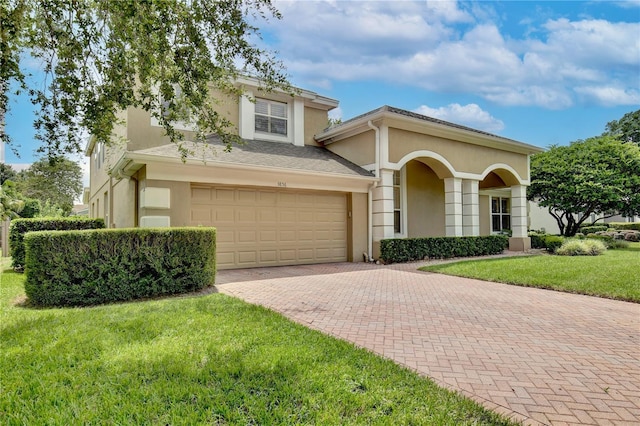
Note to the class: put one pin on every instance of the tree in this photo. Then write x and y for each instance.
(10, 203)
(6, 173)
(100, 57)
(599, 175)
(56, 180)
(627, 129)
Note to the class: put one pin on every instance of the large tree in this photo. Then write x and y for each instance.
(100, 57)
(55, 180)
(599, 175)
(627, 129)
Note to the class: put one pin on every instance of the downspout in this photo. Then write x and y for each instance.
(370, 193)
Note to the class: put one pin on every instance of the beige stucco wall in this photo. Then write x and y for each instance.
(123, 203)
(463, 157)
(180, 193)
(425, 201)
(358, 226)
(539, 218)
(315, 120)
(485, 214)
(359, 149)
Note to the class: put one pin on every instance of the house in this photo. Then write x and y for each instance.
(297, 192)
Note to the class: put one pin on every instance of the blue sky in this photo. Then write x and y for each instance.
(539, 72)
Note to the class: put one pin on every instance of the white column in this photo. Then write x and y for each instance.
(519, 211)
(453, 207)
(470, 208)
(383, 207)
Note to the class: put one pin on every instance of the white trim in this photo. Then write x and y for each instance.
(507, 167)
(430, 154)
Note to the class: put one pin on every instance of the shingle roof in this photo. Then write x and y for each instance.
(387, 108)
(265, 154)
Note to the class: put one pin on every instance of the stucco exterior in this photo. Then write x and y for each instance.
(322, 194)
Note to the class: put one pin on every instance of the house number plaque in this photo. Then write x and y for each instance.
(282, 184)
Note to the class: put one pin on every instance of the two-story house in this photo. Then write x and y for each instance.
(298, 192)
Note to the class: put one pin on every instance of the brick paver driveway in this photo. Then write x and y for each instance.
(539, 356)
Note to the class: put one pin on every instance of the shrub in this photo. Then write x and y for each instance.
(537, 240)
(632, 236)
(19, 227)
(592, 229)
(635, 226)
(552, 242)
(76, 268)
(408, 249)
(573, 247)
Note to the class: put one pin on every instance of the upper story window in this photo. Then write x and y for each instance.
(98, 155)
(271, 117)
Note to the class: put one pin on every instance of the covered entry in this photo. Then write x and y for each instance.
(268, 227)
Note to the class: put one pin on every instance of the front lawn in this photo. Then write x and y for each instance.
(200, 360)
(613, 275)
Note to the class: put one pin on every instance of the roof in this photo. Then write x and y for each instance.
(263, 154)
(483, 138)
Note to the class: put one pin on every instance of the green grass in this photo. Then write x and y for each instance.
(200, 360)
(613, 275)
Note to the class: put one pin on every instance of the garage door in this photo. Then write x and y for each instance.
(259, 227)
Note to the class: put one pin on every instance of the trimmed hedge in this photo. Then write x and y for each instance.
(408, 249)
(634, 226)
(545, 241)
(78, 268)
(592, 229)
(19, 227)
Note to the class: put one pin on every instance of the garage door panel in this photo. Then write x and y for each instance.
(272, 227)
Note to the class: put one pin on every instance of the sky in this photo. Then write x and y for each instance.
(539, 72)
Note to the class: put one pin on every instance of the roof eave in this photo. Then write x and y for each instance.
(359, 125)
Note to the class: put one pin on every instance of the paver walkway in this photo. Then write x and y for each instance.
(541, 357)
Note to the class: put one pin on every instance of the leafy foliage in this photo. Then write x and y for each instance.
(76, 268)
(599, 175)
(588, 247)
(101, 57)
(10, 202)
(6, 173)
(20, 227)
(408, 249)
(55, 180)
(627, 129)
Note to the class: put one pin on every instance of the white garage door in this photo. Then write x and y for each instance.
(261, 227)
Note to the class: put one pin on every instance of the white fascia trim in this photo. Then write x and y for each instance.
(307, 95)
(363, 181)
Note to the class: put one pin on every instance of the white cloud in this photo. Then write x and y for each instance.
(445, 47)
(610, 95)
(335, 114)
(469, 115)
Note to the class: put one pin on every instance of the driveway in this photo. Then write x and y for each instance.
(538, 356)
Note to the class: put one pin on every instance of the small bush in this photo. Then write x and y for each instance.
(409, 249)
(592, 229)
(537, 240)
(634, 226)
(77, 268)
(589, 247)
(552, 242)
(19, 227)
(632, 236)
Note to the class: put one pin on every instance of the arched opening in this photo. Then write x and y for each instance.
(419, 199)
(495, 204)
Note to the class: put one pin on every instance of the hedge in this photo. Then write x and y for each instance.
(19, 227)
(78, 268)
(407, 249)
(634, 226)
(592, 229)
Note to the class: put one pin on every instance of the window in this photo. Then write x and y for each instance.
(98, 155)
(397, 202)
(500, 214)
(271, 117)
